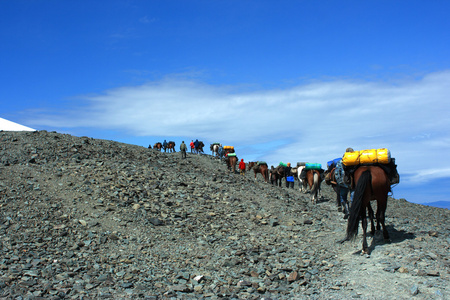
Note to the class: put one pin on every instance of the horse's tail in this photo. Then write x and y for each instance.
(357, 205)
(315, 182)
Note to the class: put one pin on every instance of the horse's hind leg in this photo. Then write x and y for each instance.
(365, 248)
(381, 209)
(371, 217)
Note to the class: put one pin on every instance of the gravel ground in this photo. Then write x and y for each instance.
(83, 218)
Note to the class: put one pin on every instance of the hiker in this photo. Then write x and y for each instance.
(183, 149)
(289, 177)
(196, 143)
(221, 151)
(344, 188)
(242, 167)
(192, 146)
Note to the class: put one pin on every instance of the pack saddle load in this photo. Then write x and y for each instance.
(332, 163)
(228, 149)
(381, 157)
(310, 166)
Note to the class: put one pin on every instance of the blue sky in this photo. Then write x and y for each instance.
(279, 80)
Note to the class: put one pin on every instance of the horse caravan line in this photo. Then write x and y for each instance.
(369, 173)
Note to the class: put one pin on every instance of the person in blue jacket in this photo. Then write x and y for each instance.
(196, 143)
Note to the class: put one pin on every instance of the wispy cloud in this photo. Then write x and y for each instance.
(312, 122)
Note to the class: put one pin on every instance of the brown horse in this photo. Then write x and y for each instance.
(171, 147)
(259, 167)
(276, 175)
(372, 183)
(313, 179)
(157, 146)
(231, 163)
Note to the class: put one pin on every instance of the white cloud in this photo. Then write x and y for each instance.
(313, 122)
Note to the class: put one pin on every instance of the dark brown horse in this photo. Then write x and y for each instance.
(171, 146)
(157, 146)
(276, 175)
(259, 167)
(231, 163)
(313, 179)
(372, 183)
(199, 148)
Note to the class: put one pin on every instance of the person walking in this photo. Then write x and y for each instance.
(192, 146)
(183, 149)
(196, 143)
(289, 177)
(344, 188)
(242, 167)
(221, 151)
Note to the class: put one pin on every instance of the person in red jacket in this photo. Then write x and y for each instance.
(192, 146)
(242, 167)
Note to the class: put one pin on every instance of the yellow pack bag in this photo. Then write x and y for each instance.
(351, 158)
(368, 156)
(384, 156)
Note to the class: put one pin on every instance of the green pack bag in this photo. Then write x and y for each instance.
(309, 166)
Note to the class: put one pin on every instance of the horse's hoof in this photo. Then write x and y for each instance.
(343, 240)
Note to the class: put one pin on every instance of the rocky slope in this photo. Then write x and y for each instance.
(82, 218)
